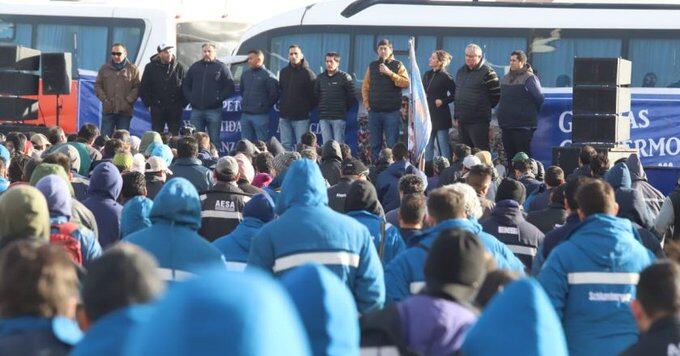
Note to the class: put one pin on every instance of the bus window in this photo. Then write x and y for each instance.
(86, 43)
(364, 53)
(191, 35)
(425, 45)
(314, 47)
(130, 37)
(656, 62)
(15, 33)
(496, 50)
(553, 57)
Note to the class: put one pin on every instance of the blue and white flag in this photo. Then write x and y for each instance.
(420, 125)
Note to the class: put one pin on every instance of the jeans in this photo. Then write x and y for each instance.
(166, 114)
(515, 141)
(333, 130)
(111, 122)
(291, 132)
(210, 117)
(475, 135)
(255, 127)
(383, 123)
(441, 143)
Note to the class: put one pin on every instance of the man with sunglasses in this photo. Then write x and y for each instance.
(117, 86)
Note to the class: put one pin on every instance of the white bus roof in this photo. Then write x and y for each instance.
(465, 13)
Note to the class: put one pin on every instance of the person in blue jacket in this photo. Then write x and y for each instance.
(326, 308)
(58, 197)
(448, 207)
(222, 313)
(529, 325)
(362, 204)
(173, 236)
(308, 230)
(235, 246)
(105, 187)
(590, 278)
(387, 183)
(116, 293)
(135, 215)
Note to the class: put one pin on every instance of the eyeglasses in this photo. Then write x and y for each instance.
(116, 53)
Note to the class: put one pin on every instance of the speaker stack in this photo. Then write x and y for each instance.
(19, 75)
(600, 103)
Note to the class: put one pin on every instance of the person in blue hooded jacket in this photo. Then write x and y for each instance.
(308, 230)
(590, 278)
(519, 321)
(135, 215)
(116, 294)
(173, 236)
(362, 204)
(235, 246)
(454, 206)
(58, 198)
(387, 183)
(326, 308)
(105, 186)
(222, 313)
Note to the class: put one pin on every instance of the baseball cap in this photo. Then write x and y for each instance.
(227, 166)
(156, 164)
(72, 154)
(40, 140)
(520, 156)
(163, 47)
(471, 161)
(353, 167)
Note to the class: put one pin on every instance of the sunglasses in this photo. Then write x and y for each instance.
(116, 53)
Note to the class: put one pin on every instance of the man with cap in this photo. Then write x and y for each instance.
(381, 93)
(40, 144)
(161, 90)
(352, 169)
(222, 205)
(156, 173)
(435, 321)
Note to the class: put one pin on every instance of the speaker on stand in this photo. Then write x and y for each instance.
(56, 76)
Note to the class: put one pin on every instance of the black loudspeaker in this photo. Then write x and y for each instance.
(19, 58)
(567, 157)
(602, 71)
(18, 109)
(593, 100)
(19, 83)
(600, 128)
(24, 128)
(56, 73)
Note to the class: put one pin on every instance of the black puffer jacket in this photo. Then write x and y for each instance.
(439, 85)
(162, 83)
(208, 84)
(296, 85)
(335, 95)
(478, 90)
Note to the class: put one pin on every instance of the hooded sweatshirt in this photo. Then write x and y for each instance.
(404, 274)
(236, 245)
(362, 204)
(387, 183)
(173, 238)
(528, 322)
(59, 205)
(590, 280)
(135, 215)
(222, 313)
(332, 239)
(326, 308)
(24, 214)
(653, 197)
(105, 186)
(107, 336)
(631, 202)
(331, 158)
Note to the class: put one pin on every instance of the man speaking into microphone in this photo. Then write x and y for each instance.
(381, 94)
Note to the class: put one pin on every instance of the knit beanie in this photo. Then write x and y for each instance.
(456, 257)
(284, 160)
(511, 189)
(123, 160)
(245, 168)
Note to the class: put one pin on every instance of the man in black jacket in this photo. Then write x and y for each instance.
(296, 84)
(657, 311)
(161, 90)
(352, 169)
(207, 84)
(478, 90)
(334, 90)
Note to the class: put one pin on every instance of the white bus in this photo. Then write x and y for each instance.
(552, 33)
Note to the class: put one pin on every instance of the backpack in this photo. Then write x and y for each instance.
(64, 237)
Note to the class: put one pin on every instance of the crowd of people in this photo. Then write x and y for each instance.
(123, 245)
